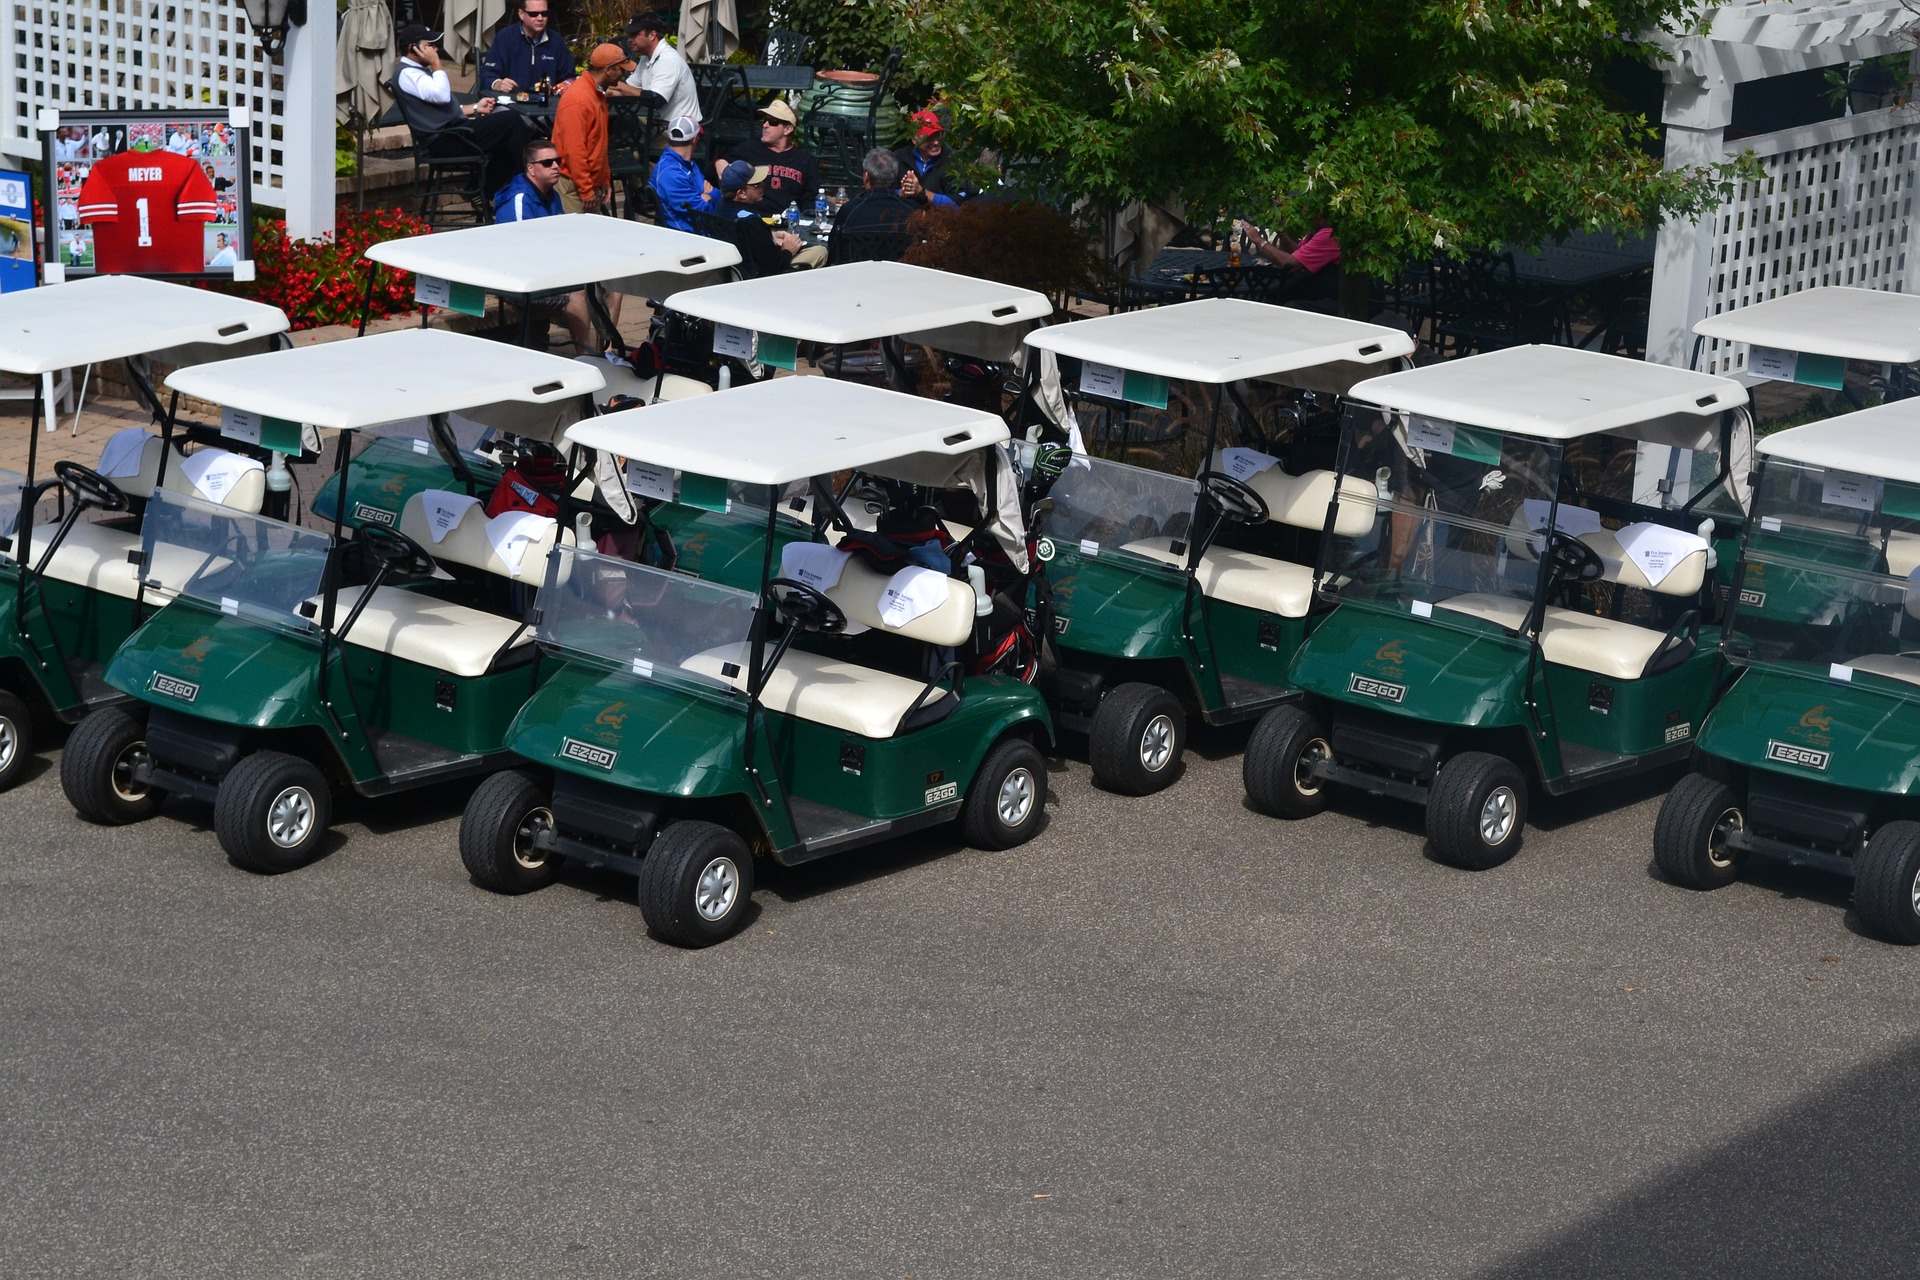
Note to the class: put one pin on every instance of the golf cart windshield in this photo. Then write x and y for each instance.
(632, 618)
(1108, 508)
(1830, 579)
(247, 566)
(11, 483)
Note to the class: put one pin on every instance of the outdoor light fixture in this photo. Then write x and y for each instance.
(270, 20)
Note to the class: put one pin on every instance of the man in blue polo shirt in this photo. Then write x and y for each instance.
(526, 53)
(531, 195)
(676, 179)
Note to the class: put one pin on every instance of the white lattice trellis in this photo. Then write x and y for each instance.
(97, 55)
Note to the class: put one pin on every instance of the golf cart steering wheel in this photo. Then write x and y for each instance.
(395, 551)
(1573, 560)
(1235, 499)
(805, 607)
(89, 487)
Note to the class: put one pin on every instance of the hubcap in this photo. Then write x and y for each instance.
(1310, 755)
(1916, 893)
(1156, 743)
(536, 821)
(9, 742)
(133, 757)
(1724, 826)
(1497, 815)
(1016, 797)
(290, 817)
(717, 890)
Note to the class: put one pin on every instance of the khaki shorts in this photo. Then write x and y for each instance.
(814, 255)
(569, 195)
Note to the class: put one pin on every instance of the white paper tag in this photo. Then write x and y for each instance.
(239, 424)
(1846, 489)
(650, 481)
(421, 446)
(432, 291)
(1422, 609)
(643, 668)
(1840, 671)
(1106, 380)
(1243, 464)
(732, 340)
(1434, 437)
(1088, 547)
(1770, 523)
(1773, 362)
(229, 606)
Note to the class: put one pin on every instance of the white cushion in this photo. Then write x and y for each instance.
(859, 591)
(1893, 666)
(467, 542)
(1684, 579)
(1600, 645)
(1279, 587)
(247, 493)
(1301, 500)
(94, 555)
(623, 381)
(823, 690)
(419, 628)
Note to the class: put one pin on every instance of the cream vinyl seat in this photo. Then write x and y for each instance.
(1902, 666)
(1600, 645)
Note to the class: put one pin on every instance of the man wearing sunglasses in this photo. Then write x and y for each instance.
(534, 193)
(527, 53)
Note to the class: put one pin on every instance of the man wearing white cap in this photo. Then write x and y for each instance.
(676, 180)
(795, 173)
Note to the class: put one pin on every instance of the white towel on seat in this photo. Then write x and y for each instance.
(214, 472)
(445, 510)
(814, 563)
(1243, 464)
(511, 531)
(122, 454)
(1656, 548)
(910, 593)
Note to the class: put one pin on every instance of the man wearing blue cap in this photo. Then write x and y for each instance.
(764, 250)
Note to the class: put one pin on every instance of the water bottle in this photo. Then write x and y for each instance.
(793, 216)
(820, 211)
(839, 199)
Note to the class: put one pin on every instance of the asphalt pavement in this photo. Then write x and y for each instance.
(1170, 1037)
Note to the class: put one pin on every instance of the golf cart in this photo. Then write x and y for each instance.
(692, 725)
(69, 593)
(1175, 594)
(1528, 598)
(1811, 755)
(1809, 337)
(292, 663)
(523, 263)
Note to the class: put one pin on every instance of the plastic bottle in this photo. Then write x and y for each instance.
(982, 602)
(726, 377)
(793, 215)
(821, 211)
(839, 200)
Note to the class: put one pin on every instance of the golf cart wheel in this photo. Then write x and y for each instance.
(271, 812)
(1477, 811)
(497, 832)
(97, 769)
(1886, 884)
(1281, 752)
(1004, 804)
(16, 738)
(1138, 736)
(694, 884)
(1690, 835)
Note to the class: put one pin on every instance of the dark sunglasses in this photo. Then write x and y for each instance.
(552, 162)
(534, 13)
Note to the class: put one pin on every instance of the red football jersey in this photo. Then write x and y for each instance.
(147, 209)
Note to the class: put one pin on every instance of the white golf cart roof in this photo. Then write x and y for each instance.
(1856, 324)
(102, 318)
(1551, 393)
(1873, 442)
(385, 377)
(788, 429)
(860, 301)
(1220, 340)
(544, 255)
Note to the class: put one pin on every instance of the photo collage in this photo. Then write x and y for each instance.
(147, 197)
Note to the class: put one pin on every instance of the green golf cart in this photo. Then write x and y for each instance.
(1813, 755)
(692, 726)
(1810, 337)
(1531, 601)
(1174, 594)
(291, 663)
(69, 593)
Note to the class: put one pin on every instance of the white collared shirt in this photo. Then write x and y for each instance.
(428, 86)
(667, 74)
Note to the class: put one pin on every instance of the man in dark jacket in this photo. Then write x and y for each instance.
(527, 53)
(763, 250)
(873, 225)
(923, 162)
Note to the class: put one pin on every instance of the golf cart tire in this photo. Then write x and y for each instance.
(1460, 794)
(1115, 742)
(16, 738)
(1683, 834)
(95, 747)
(981, 822)
(242, 812)
(492, 828)
(670, 882)
(1883, 883)
(1270, 768)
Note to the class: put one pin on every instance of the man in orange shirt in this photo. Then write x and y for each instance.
(580, 131)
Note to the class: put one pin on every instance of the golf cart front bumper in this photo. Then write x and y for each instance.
(1382, 756)
(1802, 825)
(189, 757)
(600, 825)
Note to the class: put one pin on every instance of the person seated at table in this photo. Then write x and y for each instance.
(677, 183)
(533, 194)
(764, 249)
(873, 225)
(580, 131)
(796, 174)
(923, 162)
(501, 135)
(661, 75)
(527, 52)
(1311, 256)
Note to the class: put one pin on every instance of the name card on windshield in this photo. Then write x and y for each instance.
(276, 434)
(1461, 442)
(1846, 489)
(1797, 366)
(650, 481)
(732, 340)
(1110, 382)
(449, 295)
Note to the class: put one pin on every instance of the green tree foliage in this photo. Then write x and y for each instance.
(1407, 124)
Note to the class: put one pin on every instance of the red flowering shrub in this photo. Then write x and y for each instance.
(321, 282)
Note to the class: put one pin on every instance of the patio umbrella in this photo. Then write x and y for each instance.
(709, 30)
(468, 25)
(362, 57)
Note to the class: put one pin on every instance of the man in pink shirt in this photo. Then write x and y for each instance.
(1312, 255)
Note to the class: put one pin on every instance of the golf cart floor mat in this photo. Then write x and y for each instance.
(815, 821)
(89, 680)
(399, 755)
(1581, 759)
(1240, 691)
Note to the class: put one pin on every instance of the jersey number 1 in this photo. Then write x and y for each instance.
(146, 231)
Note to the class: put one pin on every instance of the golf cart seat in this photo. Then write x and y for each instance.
(846, 695)
(103, 558)
(1685, 577)
(623, 381)
(1618, 650)
(1903, 545)
(1301, 501)
(449, 637)
(247, 491)
(1894, 666)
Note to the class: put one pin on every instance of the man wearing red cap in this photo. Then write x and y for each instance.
(923, 162)
(580, 131)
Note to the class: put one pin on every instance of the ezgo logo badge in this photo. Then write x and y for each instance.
(587, 753)
(173, 687)
(945, 791)
(1788, 753)
(372, 515)
(1368, 687)
(1679, 732)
